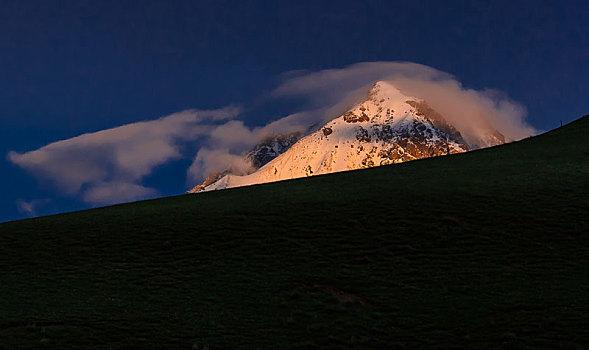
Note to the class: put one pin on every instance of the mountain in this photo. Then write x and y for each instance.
(487, 249)
(268, 149)
(387, 127)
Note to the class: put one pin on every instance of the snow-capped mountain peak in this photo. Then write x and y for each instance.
(387, 127)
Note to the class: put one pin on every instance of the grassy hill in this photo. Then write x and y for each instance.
(488, 249)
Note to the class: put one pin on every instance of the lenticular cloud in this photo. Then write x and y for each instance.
(107, 166)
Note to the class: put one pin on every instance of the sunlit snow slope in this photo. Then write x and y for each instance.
(388, 127)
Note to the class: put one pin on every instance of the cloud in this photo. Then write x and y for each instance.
(31, 207)
(226, 144)
(331, 86)
(106, 166)
(472, 112)
(116, 192)
(234, 135)
(210, 161)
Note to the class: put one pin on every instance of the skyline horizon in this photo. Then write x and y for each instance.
(74, 69)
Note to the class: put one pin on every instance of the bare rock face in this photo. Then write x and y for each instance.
(437, 120)
(417, 132)
(351, 117)
(270, 148)
(208, 181)
(386, 128)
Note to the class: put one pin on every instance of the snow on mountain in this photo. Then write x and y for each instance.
(386, 128)
(265, 151)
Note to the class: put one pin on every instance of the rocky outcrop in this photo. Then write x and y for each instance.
(208, 181)
(351, 117)
(439, 122)
(270, 147)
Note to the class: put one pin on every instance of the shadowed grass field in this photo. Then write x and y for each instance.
(488, 249)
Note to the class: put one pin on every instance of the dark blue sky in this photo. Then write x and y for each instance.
(71, 67)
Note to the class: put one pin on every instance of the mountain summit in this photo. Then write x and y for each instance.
(387, 127)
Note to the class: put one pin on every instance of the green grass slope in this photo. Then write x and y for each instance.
(488, 249)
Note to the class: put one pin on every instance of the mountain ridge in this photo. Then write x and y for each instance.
(387, 127)
(488, 248)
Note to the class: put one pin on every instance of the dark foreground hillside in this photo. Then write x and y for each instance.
(488, 249)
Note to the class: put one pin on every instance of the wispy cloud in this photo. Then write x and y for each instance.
(107, 166)
(330, 86)
(30, 208)
(471, 111)
(116, 192)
